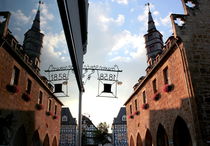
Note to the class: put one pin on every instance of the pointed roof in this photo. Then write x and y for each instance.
(151, 23)
(70, 120)
(119, 118)
(36, 22)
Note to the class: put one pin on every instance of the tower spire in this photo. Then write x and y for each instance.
(151, 23)
(32, 43)
(153, 39)
(36, 22)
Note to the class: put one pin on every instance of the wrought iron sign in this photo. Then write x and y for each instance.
(107, 78)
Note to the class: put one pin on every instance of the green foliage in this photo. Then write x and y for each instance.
(101, 133)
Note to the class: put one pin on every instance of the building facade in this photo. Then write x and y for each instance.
(88, 130)
(68, 129)
(119, 129)
(173, 97)
(29, 111)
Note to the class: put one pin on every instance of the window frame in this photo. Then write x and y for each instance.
(15, 76)
(28, 86)
(154, 85)
(144, 97)
(166, 75)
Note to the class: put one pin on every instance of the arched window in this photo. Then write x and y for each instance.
(148, 138)
(138, 140)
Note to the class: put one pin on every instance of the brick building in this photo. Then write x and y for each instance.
(173, 98)
(68, 129)
(29, 111)
(119, 129)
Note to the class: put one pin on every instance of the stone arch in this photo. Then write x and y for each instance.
(46, 141)
(54, 142)
(131, 141)
(162, 138)
(148, 138)
(138, 140)
(36, 139)
(181, 134)
(20, 137)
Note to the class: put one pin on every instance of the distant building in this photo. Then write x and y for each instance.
(88, 130)
(170, 105)
(29, 111)
(119, 129)
(68, 129)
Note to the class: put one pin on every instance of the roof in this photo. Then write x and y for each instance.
(70, 120)
(118, 119)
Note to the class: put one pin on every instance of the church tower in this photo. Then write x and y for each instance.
(153, 40)
(33, 40)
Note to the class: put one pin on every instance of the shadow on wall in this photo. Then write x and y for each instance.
(17, 128)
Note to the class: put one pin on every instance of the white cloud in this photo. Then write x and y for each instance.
(21, 18)
(128, 45)
(156, 13)
(105, 21)
(166, 20)
(53, 42)
(125, 2)
(45, 15)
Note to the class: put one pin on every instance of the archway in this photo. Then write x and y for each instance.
(35, 139)
(54, 142)
(20, 137)
(46, 141)
(162, 138)
(138, 140)
(181, 134)
(148, 138)
(131, 141)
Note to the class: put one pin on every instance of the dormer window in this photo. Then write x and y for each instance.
(64, 119)
(124, 118)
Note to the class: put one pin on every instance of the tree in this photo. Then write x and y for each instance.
(101, 133)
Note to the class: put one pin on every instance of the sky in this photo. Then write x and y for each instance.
(115, 37)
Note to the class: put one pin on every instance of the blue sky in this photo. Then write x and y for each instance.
(115, 36)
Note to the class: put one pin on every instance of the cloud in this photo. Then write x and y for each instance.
(55, 45)
(21, 18)
(45, 16)
(166, 20)
(106, 21)
(125, 2)
(129, 46)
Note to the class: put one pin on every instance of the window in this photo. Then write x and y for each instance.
(130, 109)
(154, 85)
(165, 75)
(55, 110)
(144, 97)
(136, 105)
(49, 104)
(15, 76)
(64, 118)
(40, 97)
(124, 118)
(28, 87)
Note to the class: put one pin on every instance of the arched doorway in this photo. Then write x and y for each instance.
(181, 134)
(35, 139)
(148, 138)
(162, 138)
(54, 142)
(131, 141)
(138, 140)
(46, 141)
(20, 137)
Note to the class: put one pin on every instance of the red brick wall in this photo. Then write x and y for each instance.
(168, 107)
(24, 112)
